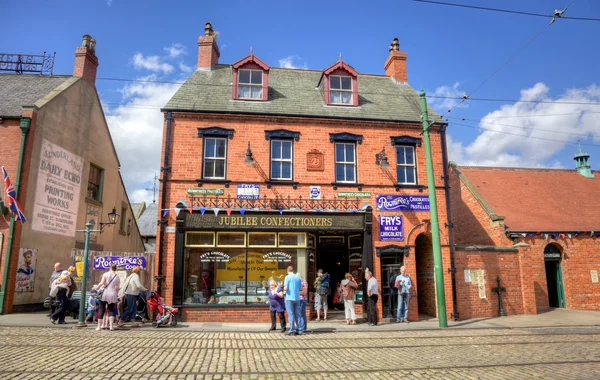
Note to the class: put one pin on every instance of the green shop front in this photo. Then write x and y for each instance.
(224, 261)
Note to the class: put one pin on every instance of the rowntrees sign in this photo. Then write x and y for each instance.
(402, 203)
(122, 262)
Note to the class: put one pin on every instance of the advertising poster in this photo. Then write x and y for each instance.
(245, 191)
(391, 228)
(26, 271)
(402, 202)
(57, 194)
(122, 262)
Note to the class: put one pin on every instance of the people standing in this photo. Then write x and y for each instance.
(373, 293)
(322, 291)
(108, 285)
(53, 277)
(73, 304)
(131, 291)
(403, 283)
(303, 302)
(349, 287)
(276, 306)
(291, 287)
(60, 290)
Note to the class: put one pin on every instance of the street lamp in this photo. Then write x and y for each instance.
(381, 159)
(113, 218)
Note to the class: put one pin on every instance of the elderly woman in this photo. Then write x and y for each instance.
(276, 306)
(108, 285)
(349, 287)
(131, 291)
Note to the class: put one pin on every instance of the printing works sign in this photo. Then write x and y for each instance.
(402, 203)
(57, 193)
(122, 262)
(391, 228)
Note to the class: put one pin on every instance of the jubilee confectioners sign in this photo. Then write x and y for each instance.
(57, 194)
(351, 222)
(402, 203)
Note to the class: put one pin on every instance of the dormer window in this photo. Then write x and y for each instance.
(250, 84)
(250, 79)
(340, 85)
(340, 89)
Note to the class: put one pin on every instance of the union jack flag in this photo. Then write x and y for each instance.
(11, 198)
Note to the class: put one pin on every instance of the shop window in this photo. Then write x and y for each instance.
(231, 239)
(292, 239)
(264, 265)
(200, 239)
(262, 239)
(355, 241)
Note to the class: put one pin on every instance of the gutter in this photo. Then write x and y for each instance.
(24, 125)
(450, 225)
(163, 222)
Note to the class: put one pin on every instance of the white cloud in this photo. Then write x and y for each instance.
(444, 98)
(152, 63)
(291, 62)
(136, 128)
(530, 134)
(185, 68)
(175, 50)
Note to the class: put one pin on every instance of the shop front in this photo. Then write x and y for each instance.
(224, 263)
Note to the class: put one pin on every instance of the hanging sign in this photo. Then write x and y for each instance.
(315, 192)
(353, 194)
(402, 203)
(201, 191)
(122, 262)
(245, 191)
(391, 228)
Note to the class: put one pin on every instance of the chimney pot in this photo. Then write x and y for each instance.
(208, 30)
(208, 51)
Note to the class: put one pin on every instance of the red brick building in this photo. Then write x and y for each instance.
(537, 230)
(267, 167)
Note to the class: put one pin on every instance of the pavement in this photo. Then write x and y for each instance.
(552, 318)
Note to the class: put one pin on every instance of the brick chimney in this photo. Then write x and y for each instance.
(208, 51)
(86, 62)
(395, 65)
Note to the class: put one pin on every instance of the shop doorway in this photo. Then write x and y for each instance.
(425, 277)
(554, 280)
(333, 258)
(392, 258)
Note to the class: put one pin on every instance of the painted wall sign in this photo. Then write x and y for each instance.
(122, 262)
(57, 194)
(245, 191)
(201, 191)
(402, 203)
(315, 192)
(391, 228)
(353, 194)
(26, 272)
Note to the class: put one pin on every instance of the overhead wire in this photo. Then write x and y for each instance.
(521, 127)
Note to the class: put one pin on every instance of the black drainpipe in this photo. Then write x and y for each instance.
(450, 226)
(163, 205)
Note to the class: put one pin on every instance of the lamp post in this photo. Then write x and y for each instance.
(113, 218)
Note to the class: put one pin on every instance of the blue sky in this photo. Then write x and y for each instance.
(450, 52)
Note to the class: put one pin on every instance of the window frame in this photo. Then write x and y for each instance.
(204, 158)
(238, 84)
(354, 162)
(279, 245)
(406, 166)
(99, 185)
(340, 90)
(122, 218)
(186, 244)
(245, 245)
(290, 160)
(263, 246)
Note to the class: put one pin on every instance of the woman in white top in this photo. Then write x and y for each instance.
(131, 290)
(110, 283)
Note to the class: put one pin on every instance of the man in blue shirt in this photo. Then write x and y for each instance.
(291, 286)
(403, 283)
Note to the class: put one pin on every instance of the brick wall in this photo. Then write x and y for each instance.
(186, 161)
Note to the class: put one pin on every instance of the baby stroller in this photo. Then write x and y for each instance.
(165, 315)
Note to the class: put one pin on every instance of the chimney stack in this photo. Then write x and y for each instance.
(208, 51)
(86, 62)
(395, 65)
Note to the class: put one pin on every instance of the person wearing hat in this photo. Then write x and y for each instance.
(26, 268)
(92, 306)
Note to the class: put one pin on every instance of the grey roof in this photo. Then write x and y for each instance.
(296, 92)
(17, 90)
(147, 221)
(138, 209)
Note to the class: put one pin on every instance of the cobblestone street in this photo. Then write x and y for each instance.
(544, 353)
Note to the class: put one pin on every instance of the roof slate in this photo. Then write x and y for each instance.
(294, 92)
(17, 90)
(147, 221)
(539, 199)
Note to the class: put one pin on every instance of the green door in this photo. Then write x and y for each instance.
(560, 286)
(554, 278)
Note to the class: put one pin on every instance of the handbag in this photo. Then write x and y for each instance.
(101, 291)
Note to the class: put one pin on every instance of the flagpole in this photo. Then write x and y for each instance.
(24, 125)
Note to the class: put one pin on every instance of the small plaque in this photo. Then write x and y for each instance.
(315, 161)
(170, 229)
(594, 276)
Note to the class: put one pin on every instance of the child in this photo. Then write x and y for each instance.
(92, 306)
(62, 282)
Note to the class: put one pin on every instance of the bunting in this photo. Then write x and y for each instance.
(202, 210)
(242, 211)
(190, 209)
(216, 211)
(280, 211)
(165, 212)
(177, 211)
(228, 210)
